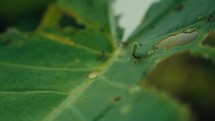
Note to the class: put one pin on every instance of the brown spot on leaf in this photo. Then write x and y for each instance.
(101, 55)
(210, 18)
(179, 7)
(117, 99)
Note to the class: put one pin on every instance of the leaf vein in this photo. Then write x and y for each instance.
(42, 68)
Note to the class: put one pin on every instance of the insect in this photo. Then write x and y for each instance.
(135, 56)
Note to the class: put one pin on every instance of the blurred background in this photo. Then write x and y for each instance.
(26, 15)
(22, 14)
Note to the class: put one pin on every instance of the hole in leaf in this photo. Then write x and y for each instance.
(189, 78)
(179, 39)
(210, 40)
(69, 21)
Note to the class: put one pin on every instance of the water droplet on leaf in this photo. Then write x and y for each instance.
(93, 75)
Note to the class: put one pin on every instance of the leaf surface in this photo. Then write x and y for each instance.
(77, 71)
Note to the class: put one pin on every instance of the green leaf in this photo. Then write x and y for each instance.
(76, 71)
(89, 12)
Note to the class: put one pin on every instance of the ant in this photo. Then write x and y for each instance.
(135, 56)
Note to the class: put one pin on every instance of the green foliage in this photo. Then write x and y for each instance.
(23, 14)
(72, 69)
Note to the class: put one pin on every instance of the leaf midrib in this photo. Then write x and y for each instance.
(76, 93)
